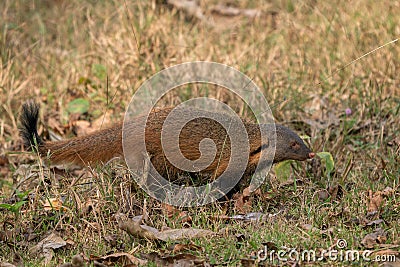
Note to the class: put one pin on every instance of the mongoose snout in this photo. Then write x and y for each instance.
(105, 144)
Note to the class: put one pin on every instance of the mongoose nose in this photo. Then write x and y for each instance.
(311, 155)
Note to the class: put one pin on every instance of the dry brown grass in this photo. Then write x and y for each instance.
(55, 51)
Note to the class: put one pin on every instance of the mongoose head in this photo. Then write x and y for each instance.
(290, 146)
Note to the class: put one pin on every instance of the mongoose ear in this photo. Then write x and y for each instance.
(294, 145)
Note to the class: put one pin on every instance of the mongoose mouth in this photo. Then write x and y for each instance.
(311, 155)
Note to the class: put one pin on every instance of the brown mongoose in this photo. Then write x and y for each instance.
(105, 144)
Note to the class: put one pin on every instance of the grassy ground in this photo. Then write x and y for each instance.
(58, 51)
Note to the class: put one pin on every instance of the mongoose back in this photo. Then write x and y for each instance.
(105, 144)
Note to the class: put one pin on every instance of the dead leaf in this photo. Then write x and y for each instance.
(225, 10)
(190, 7)
(102, 121)
(309, 227)
(76, 261)
(270, 245)
(4, 166)
(323, 195)
(173, 213)
(243, 201)
(52, 204)
(94, 225)
(137, 229)
(45, 247)
(185, 247)
(185, 233)
(387, 191)
(240, 237)
(248, 262)
(26, 177)
(372, 239)
(375, 222)
(251, 12)
(121, 257)
(82, 128)
(70, 243)
(395, 141)
(55, 124)
(6, 264)
(111, 239)
(88, 206)
(180, 260)
(375, 201)
(336, 192)
(3, 160)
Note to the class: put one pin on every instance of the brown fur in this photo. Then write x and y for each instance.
(105, 144)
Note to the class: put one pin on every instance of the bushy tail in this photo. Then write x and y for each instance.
(28, 125)
(99, 146)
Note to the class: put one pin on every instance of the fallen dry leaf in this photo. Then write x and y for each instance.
(137, 229)
(387, 191)
(190, 7)
(372, 239)
(336, 192)
(376, 201)
(246, 262)
(76, 261)
(173, 213)
(180, 260)
(243, 201)
(52, 204)
(184, 233)
(102, 121)
(374, 223)
(111, 239)
(6, 264)
(55, 124)
(225, 10)
(120, 257)
(45, 247)
(82, 128)
(309, 227)
(185, 247)
(3, 160)
(323, 195)
(4, 166)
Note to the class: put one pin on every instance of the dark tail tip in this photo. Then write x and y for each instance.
(28, 125)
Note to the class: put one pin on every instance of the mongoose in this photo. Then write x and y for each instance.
(105, 144)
